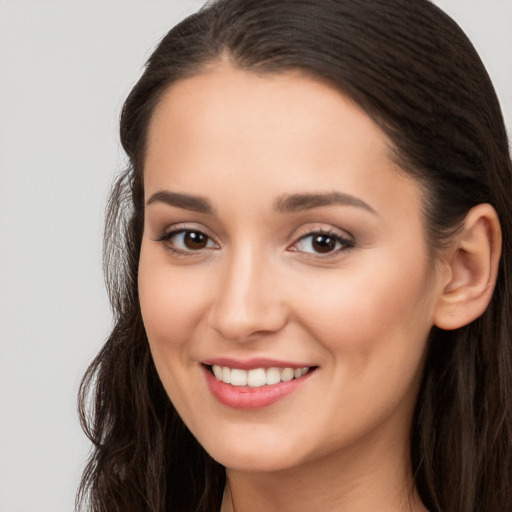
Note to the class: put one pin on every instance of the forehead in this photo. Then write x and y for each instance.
(225, 101)
(228, 129)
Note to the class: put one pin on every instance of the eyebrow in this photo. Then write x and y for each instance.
(188, 202)
(284, 204)
(297, 202)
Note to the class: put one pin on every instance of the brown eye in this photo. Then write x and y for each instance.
(323, 243)
(195, 240)
(187, 240)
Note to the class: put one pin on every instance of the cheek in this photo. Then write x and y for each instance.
(375, 308)
(170, 304)
(171, 309)
(374, 326)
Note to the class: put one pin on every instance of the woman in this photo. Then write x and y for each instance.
(308, 259)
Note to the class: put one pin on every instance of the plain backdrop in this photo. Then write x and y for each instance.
(65, 68)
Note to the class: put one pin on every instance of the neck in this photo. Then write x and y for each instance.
(377, 478)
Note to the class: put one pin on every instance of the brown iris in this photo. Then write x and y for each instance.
(195, 240)
(323, 243)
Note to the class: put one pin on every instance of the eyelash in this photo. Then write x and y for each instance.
(165, 238)
(345, 243)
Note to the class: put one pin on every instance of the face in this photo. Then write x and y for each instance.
(285, 280)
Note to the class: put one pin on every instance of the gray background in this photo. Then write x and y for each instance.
(65, 68)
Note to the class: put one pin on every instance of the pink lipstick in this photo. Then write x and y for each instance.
(253, 384)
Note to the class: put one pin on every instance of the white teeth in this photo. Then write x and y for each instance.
(226, 375)
(287, 374)
(273, 376)
(217, 371)
(238, 377)
(257, 377)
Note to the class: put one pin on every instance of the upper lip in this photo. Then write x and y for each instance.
(253, 363)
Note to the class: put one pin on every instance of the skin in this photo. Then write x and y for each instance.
(361, 314)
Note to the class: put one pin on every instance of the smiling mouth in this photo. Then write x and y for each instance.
(257, 377)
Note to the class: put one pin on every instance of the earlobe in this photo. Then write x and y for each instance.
(472, 262)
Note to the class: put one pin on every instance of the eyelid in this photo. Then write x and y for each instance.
(343, 237)
(166, 234)
(184, 226)
(327, 229)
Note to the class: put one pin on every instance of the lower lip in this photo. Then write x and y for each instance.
(242, 397)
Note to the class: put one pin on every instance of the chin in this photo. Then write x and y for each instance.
(254, 462)
(253, 453)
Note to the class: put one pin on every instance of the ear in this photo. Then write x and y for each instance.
(471, 265)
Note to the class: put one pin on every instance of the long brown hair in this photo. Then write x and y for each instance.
(412, 69)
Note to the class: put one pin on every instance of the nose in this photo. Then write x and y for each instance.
(248, 302)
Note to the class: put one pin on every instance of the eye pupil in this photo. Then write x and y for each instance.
(195, 240)
(324, 243)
